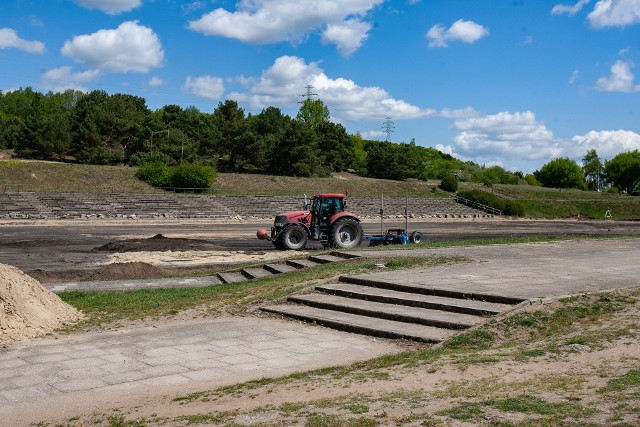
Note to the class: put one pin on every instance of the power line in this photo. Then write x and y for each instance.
(388, 127)
(308, 95)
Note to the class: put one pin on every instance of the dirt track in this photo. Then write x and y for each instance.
(54, 246)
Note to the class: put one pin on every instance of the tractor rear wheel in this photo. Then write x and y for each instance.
(346, 233)
(293, 237)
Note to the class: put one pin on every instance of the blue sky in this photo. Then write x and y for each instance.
(508, 82)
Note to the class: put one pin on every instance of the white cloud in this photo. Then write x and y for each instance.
(155, 82)
(505, 136)
(615, 13)
(373, 134)
(347, 36)
(574, 77)
(520, 139)
(110, 7)
(620, 80)
(464, 31)
(272, 21)
(130, 47)
(460, 113)
(570, 10)
(284, 81)
(607, 143)
(206, 87)
(61, 79)
(9, 38)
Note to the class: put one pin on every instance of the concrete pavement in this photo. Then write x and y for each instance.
(185, 356)
(526, 271)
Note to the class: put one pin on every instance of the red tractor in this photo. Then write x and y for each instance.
(324, 220)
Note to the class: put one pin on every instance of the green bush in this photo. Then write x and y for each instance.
(192, 176)
(159, 174)
(156, 173)
(449, 183)
(508, 207)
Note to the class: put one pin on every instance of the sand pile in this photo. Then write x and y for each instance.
(27, 309)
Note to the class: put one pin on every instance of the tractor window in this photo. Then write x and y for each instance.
(331, 206)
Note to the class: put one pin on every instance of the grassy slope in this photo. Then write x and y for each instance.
(539, 202)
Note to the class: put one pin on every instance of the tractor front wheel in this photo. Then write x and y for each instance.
(293, 237)
(346, 233)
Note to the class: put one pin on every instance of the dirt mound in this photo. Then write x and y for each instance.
(127, 270)
(27, 309)
(159, 243)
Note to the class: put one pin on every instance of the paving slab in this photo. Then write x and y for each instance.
(196, 355)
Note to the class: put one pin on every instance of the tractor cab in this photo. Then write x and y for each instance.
(323, 208)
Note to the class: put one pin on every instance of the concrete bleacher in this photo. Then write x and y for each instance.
(30, 205)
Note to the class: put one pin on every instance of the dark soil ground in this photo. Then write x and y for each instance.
(134, 270)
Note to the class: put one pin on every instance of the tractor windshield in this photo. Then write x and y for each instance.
(327, 206)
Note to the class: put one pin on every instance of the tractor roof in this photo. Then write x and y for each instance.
(329, 195)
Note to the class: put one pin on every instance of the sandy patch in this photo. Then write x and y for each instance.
(199, 258)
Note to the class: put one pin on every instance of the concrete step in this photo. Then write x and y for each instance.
(279, 268)
(344, 255)
(362, 324)
(325, 259)
(424, 290)
(401, 313)
(302, 263)
(256, 272)
(232, 277)
(455, 305)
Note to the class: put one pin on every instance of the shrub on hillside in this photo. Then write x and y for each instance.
(192, 176)
(508, 207)
(159, 174)
(449, 183)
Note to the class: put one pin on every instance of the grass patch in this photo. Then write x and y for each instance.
(331, 420)
(629, 380)
(528, 404)
(463, 412)
(478, 339)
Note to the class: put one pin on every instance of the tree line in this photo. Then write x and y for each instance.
(621, 173)
(99, 128)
